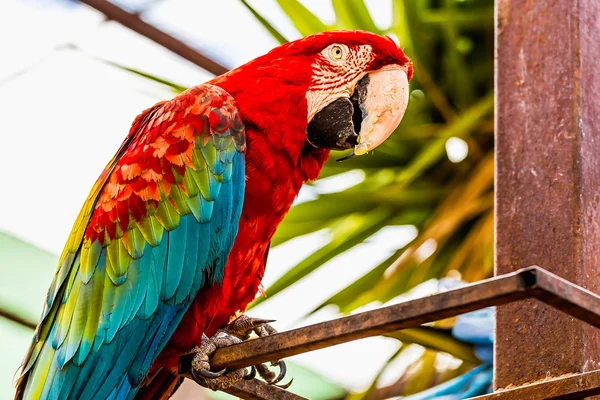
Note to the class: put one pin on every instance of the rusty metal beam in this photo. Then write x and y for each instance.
(548, 177)
(529, 282)
(259, 390)
(526, 283)
(253, 389)
(569, 387)
(136, 24)
(567, 297)
(409, 314)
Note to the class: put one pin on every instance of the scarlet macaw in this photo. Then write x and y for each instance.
(172, 240)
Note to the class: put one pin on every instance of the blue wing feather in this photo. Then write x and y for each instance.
(177, 242)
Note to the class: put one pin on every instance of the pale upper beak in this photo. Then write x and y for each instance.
(385, 104)
(367, 118)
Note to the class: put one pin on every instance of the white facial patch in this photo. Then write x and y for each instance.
(334, 79)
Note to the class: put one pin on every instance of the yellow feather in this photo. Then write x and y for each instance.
(166, 215)
(151, 229)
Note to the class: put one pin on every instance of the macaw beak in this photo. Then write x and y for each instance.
(365, 119)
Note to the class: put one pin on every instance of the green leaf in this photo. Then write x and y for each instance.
(176, 87)
(347, 233)
(483, 17)
(465, 202)
(286, 232)
(420, 375)
(329, 206)
(304, 20)
(400, 24)
(438, 340)
(375, 294)
(349, 294)
(325, 208)
(460, 81)
(274, 32)
(353, 14)
(460, 127)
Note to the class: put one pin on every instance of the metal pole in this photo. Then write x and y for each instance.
(548, 178)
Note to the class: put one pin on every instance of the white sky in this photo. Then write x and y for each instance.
(64, 114)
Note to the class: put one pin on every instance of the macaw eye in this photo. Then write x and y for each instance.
(337, 53)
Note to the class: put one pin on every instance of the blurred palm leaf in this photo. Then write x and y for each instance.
(177, 88)
(353, 15)
(278, 36)
(438, 340)
(347, 232)
(305, 21)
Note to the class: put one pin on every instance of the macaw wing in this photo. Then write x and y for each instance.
(157, 226)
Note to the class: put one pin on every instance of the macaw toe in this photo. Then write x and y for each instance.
(242, 327)
(200, 368)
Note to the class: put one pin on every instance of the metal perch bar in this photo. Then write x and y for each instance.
(532, 282)
(259, 390)
(570, 387)
(525, 283)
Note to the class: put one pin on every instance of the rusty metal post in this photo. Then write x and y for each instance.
(548, 178)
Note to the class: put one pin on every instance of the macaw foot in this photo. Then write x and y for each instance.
(200, 368)
(242, 327)
(237, 331)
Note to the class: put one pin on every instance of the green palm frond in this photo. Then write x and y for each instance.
(353, 15)
(305, 21)
(274, 32)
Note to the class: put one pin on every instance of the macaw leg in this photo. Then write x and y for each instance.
(242, 327)
(200, 370)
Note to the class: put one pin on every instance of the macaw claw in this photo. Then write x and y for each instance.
(209, 374)
(252, 374)
(286, 385)
(200, 369)
(242, 327)
(282, 372)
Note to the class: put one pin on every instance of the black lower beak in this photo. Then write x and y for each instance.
(337, 126)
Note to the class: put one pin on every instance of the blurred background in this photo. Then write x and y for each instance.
(413, 218)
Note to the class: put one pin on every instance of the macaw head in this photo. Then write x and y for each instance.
(333, 90)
